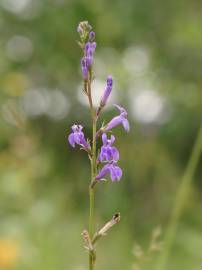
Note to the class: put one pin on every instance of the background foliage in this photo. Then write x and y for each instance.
(154, 51)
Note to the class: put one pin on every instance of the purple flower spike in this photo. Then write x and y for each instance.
(108, 152)
(107, 91)
(112, 169)
(120, 119)
(77, 137)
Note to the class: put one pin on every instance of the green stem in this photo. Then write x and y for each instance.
(181, 196)
(91, 210)
(93, 174)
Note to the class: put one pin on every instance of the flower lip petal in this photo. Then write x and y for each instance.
(93, 46)
(115, 172)
(112, 169)
(126, 125)
(115, 154)
(118, 173)
(103, 172)
(71, 140)
(112, 140)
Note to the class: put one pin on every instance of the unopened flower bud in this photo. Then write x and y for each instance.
(91, 36)
(107, 91)
(84, 28)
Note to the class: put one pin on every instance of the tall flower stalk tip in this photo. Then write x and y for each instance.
(108, 155)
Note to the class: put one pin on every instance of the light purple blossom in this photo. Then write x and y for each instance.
(107, 91)
(112, 169)
(108, 152)
(120, 119)
(77, 137)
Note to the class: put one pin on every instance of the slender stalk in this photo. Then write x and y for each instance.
(91, 211)
(181, 196)
(93, 174)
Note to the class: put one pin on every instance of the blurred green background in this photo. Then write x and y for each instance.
(153, 49)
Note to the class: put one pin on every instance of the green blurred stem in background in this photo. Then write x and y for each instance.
(181, 196)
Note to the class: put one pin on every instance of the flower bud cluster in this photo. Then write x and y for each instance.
(83, 29)
(88, 45)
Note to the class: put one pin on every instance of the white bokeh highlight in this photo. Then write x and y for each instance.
(147, 106)
(24, 9)
(15, 6)
(52, 103)
(19, 48)
(58, 105)
(136, 60)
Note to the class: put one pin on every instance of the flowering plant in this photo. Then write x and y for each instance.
(103, 161)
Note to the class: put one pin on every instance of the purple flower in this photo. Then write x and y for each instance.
(112, 169)
(107, 91)
(120, 119)
(77, 137)
(108, 152)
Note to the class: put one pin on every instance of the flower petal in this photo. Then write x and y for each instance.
(103, 154)
(103, 172)
(115, 153)
(104, 138)
(71, 139)
(117, 120)
(126, 125)
(112, 139)
(115, 173)
(121, 110)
